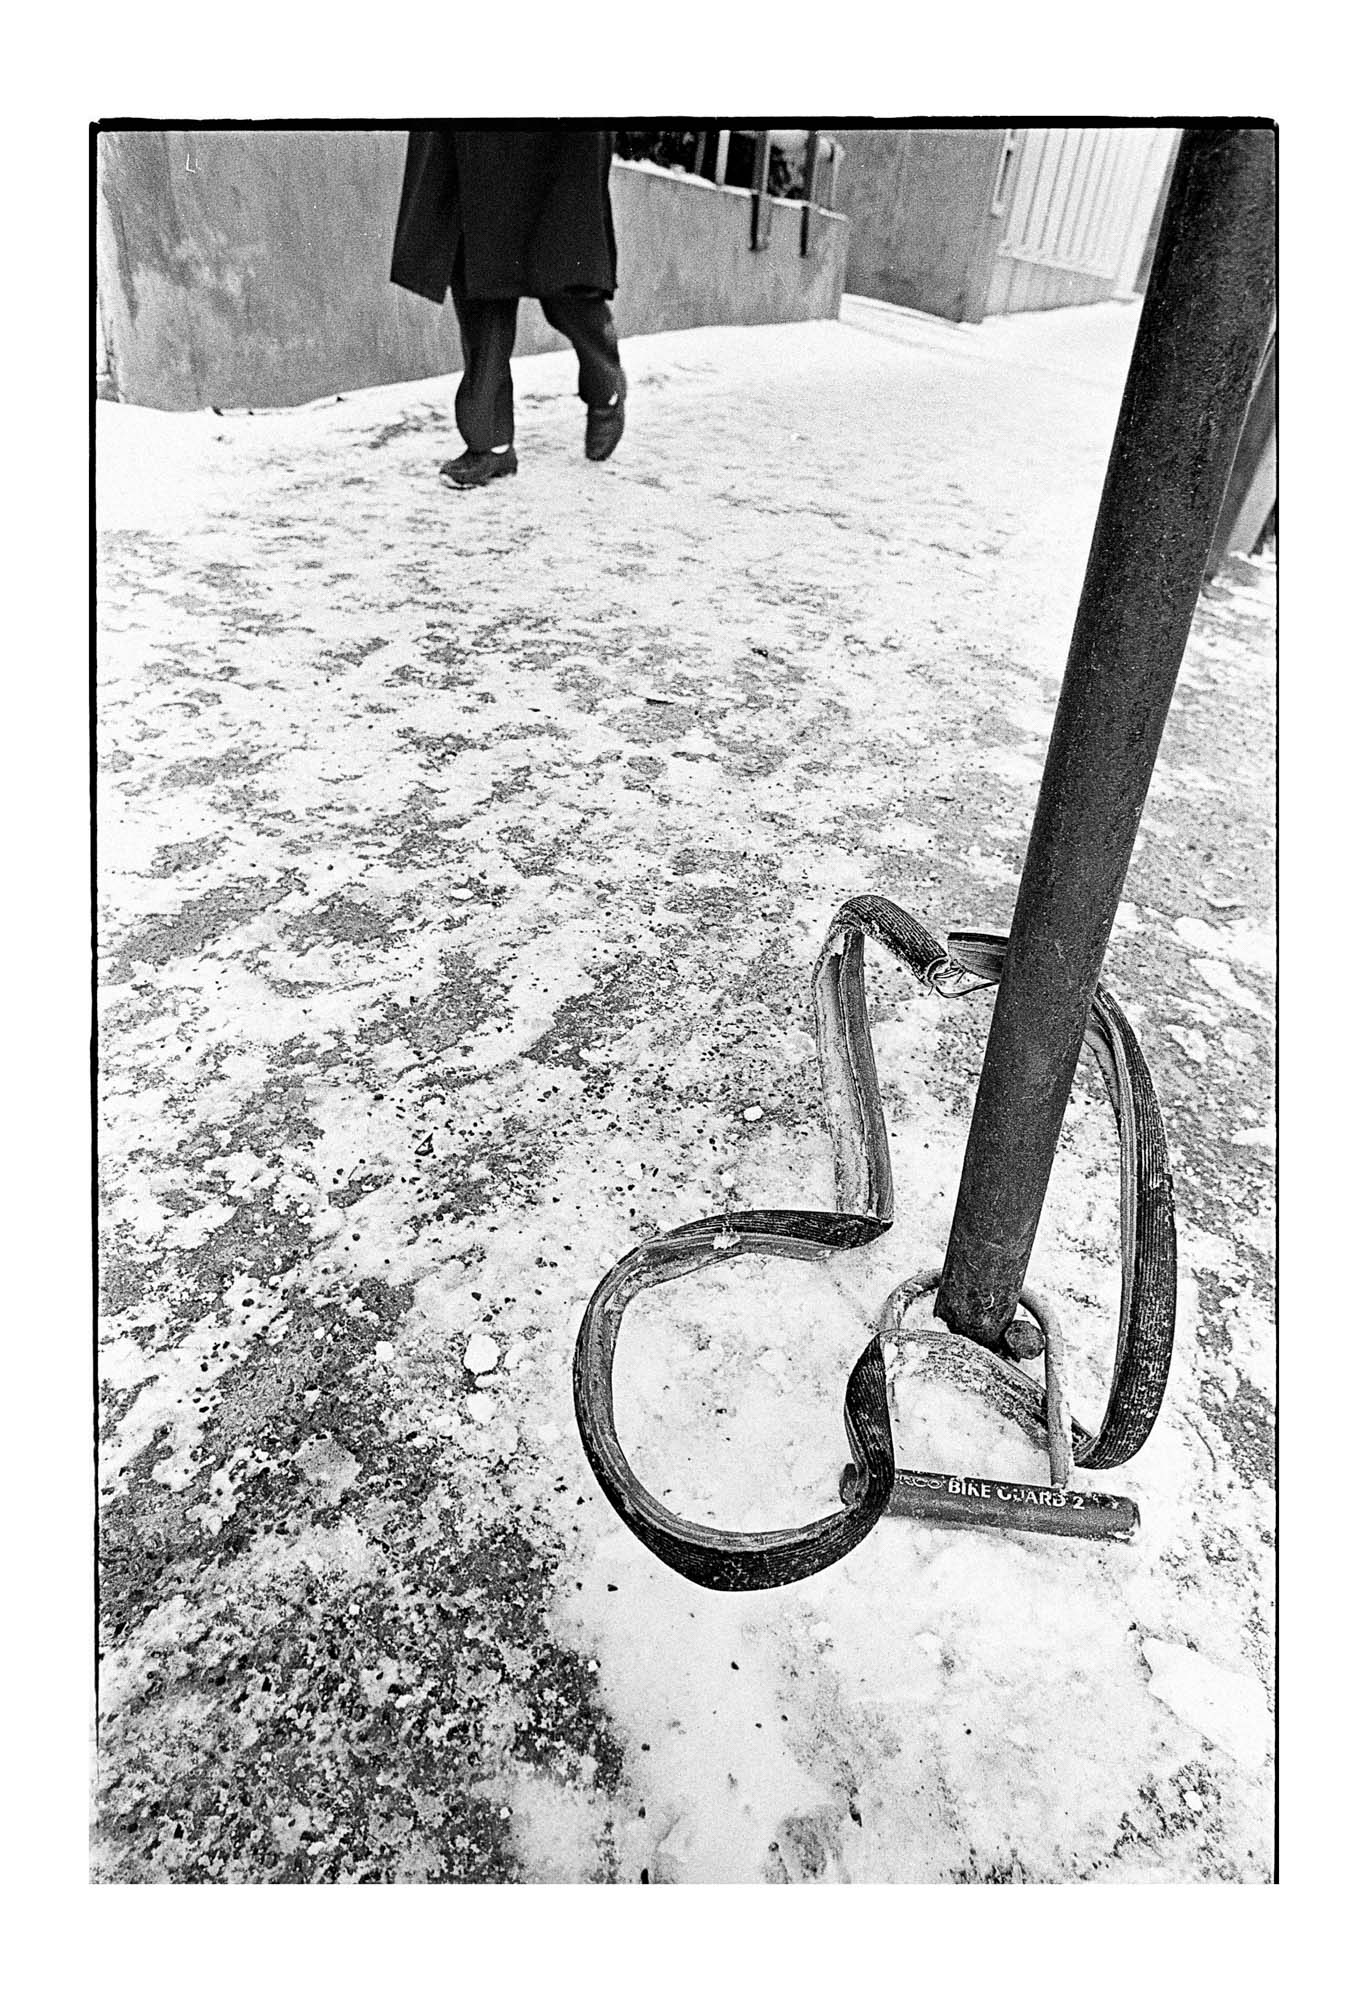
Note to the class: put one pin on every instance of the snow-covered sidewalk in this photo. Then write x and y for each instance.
(463, 860)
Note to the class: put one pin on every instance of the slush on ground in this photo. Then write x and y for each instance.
(463, 860)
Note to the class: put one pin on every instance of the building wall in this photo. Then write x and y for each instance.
(250, 266)
(993, 219)
(919, 202)
(684, 256)
(1079, 203)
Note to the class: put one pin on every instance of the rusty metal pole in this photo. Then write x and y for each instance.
(1201, 336)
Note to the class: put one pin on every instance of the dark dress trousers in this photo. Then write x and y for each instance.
(498, 216)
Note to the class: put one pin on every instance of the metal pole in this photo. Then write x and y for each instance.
(810, 158)
(1260, 425)
(1197, 349)
(760, 198)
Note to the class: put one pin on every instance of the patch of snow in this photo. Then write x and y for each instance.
(1229, 1709)
(1242, 942)
(1222, 980)
(327, 1465)
(1263, 1136)
(481, 1355)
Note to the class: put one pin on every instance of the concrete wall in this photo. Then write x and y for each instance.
(240, 267)
(921, 232)
(684, 256)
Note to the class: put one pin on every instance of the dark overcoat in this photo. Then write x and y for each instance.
(528, 211)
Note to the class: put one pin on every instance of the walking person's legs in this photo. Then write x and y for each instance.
(484, 395)
(586, 320)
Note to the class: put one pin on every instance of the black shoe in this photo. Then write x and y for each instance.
(477, 468)
(603, 428)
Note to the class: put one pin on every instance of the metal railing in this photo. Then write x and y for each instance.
(822, 157)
